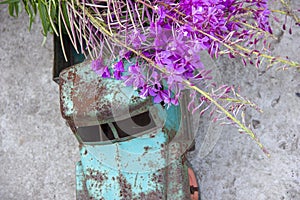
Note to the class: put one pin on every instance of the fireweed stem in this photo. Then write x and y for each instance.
(290, 13)
(189, 85)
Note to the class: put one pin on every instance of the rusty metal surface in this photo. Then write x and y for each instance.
(87, 98)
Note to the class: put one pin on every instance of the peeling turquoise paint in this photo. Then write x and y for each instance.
(144, 162)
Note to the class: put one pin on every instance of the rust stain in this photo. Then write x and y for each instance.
(91, 98)
(96, 175)
(159, 176)
(151, 195)
(125, 188)
(146, 148)
(83, 194)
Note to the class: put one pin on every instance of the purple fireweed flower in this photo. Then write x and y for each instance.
(117, 75)
(197, 14)
(134, 69)
(178, 46)
(161, 13)
(155, 79)
(228, 3)
(166, 97)
(174, 45)
(135, 77)
(136, 39)
(164, 57)
(128, 55)
(98, 67)
(147, 90)
(147, 54)
(124, 53)
(106, 73)
(119, 66)
(161, 95)
(118, 69)
(161, 35)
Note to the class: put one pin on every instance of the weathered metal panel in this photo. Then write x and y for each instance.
(112, 178)
(87, 98)
(81, 190)
(128, 169)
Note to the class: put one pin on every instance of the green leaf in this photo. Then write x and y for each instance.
(18, 8)
(44, 17)
(52, 13)
(11, 9)
(9, 1)
(33, 5)
(65, 14)
(30, 11)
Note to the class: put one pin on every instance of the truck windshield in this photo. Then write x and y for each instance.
(118, 129)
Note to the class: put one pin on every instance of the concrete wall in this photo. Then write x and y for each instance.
(38, 151)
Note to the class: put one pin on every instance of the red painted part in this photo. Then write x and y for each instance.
(193, 184)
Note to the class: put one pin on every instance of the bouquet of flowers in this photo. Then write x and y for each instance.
(162, 41)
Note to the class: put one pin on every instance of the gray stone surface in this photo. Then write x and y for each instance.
(38, 151)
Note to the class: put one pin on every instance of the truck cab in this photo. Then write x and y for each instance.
(130, 147)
